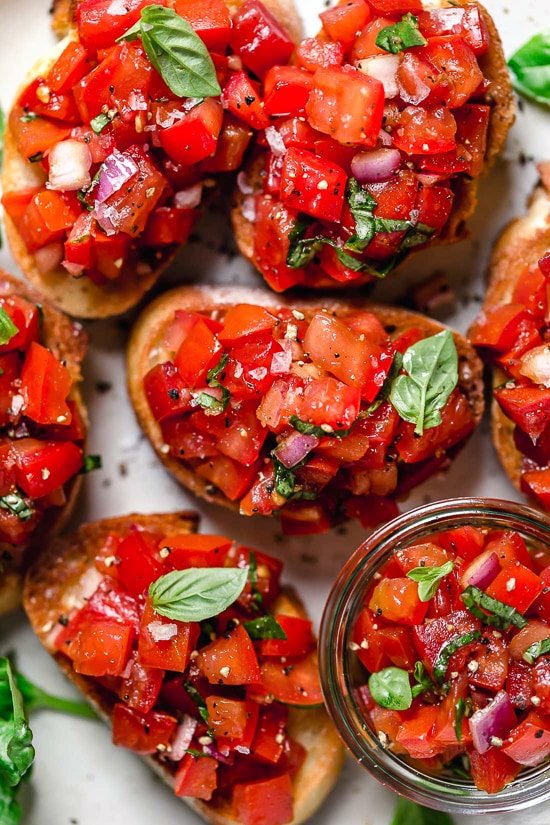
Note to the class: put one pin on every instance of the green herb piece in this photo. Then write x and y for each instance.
(362, 206)
(285, 482)
(429, 579)
(197, 594)
(442, 663)
(310, 429)
(498, 614)
(16, 504)
(16, 750)
(401, 35)
(100, 122)
(176, 52)
(257, 598)
(196, 754)
(215, 406)
(7, 327)
(10, 810)
(417, 236)
(530, 67)
(35, 698)
(409, 813)
(192, 691)
(36, 158)
(213, 374)
(432, 374)
(264, 627)
(81, 195)
(423, 681)
(391, 688)
(91, 463)
(463, 708)
(535, 650)
(28, 117)
(212, 405)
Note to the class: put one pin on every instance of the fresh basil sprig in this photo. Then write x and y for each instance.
(15, 503)
(491, 611)
(35, 698)
(16, 750)
(176, 52)
(423, 681)
(535, 650)
(7, 328)
(264, 627)
(285, 482)
(216, 406)
(409, 813)
(197, 594)
(442, 663)
(401, 35)
(530, 67)
(391, 688)
(429, 579)
(432, 374)
(310, 429)
(362, 206)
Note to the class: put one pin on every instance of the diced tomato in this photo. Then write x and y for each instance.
(242, 97)
(243, 440)
(101, 22)
(347, 105)
(312, 185)
(396, 600)
(169, 653)
(268, 744)
(492, 770)
(166, 392)
(43, 467)
(25, 317)
(541, 607)
(294, 682)
(454, 57)
(456, 425)
(15, 203)
(232, 719)
(510, 547)
(396, 6)
(365, 44)
(342, 22)
(471, 137)
(58, 107)
(517, 586)
(194, 137)
(268, 573)
(228, 475)
(196, 551)
(138, 563)
(102, 648)
(142, 732)
(416, 734)
(530, 291)
(465, 21)
(299, 638)
(258, 38)
(35, 136)
(529, 743)
(245, 321)
(536, 483)
(492, 661)
(519, 684)
(233, 142)
(169, 225)
(314, 53)
(69, 68)
(196, 777)
(466, 542)
(199, 352)
(330, 402)
(434, 205)
(498, 328)
(287, 90)
(264, 801)
(274, 223)
(45, 385)
(528, 407)
(371, 510)
(533, 632)
(421, 555)
(46, 219)
(425, 131)
(141, 688)
(210, 19)
(431, 638)
(136, 200)
(230, 660)
(541, 684)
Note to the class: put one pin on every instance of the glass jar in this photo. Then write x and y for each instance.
(338, 669)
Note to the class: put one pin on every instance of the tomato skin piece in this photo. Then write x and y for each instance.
(101, 22)
(234, 655)
(138, 566)
(45, 385)
(26, 318)
(396, 600)
(528, 407)
(493, 770)
(233, 720)
(166, 392)
(242, 97)
(228, 475)
(258, 38)
(199, 352)
(245, 321)
(169, 225)
(536, 483)
(140, 690)
(342, 22)
(425, 131)
(274, 222)
(264, 801)
(299, 641)
(529, 743)
(292, 682)
(314, 53)
(195, 136)
(102, 648)
(142, 732)
(421, 555)
(516, 586)
(268, 744)
(171, 654)
(466, 21)
(195, 551)
(210, 19)
(510, 547)
(416, 734)
(310, 184)
(43, 467)
(68, 69)
(196, 777)
(287, 90)
(34, 137)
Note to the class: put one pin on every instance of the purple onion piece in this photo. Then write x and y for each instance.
(376, 166)
(493, 723)
(182, 739)
(481, 572)
(115, 172)
(295, 448)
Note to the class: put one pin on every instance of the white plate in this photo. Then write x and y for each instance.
(79, 777)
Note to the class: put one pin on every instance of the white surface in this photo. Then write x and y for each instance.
(79, 776)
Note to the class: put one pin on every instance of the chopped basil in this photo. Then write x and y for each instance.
(81, 195)
(100, 122)
(285, 482)
(196, 754)
(423, 681)
(257, 598)
(176, 52)
(463, 708)
(197, 594)
(16, 750)
(530, 67)
(91, 463)
(417, 235)
(391, 688)
(264, 627)
(310, 429)
(362, 206)
(401, 35)
(192, 691)
(16, 504)
(491, 611)
(429, 579)
(7, 327)
(213, 374)
(28, 117)
(409, 813)
(36, 158)
(537, 649)
(210, 402)
(442, 663)
(432, 375)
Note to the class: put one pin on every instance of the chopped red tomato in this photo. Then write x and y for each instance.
(342, 22)
(517, 586)
(264, 801)
(102, 649)
(312, 185)
(210, 19)
(299, 638)
(164, 643)
(196, 777)
(396, 600)
(258, 38)
(143, 733)
(230, 661)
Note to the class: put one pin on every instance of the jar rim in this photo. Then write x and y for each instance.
(451, 795)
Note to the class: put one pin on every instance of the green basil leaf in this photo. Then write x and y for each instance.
(362, 206)
(537, 649)
(265, 627)
(7, 327)
(10, 810)
(422, 679)
(35, 698)
(432, 374)
(429, 579)
(310, 429)
(498, 614)
(176, 52)
(463, 708)
(194, 694)
(213, 374)
(285, 482)
(530, 67)
(442, 663)
(99, 123)
(16, 750)
(198, 593)
(212, 404)
(16, 504)
(409, 813)
(391, 688)
(417, 235)
(91, 463)
(401, 35)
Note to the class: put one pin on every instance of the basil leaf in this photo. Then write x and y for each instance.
(442, 663)
(429, 579)
(10, 810)
(265, 627)
(99, 123)
(176, 52)
(530, 67)
(401, 35)
(257, 598)
(194, 694)
(91, 463)
(216, 406)
(409, 813)
(463, 708)
(391, 688)
(310, 429)
(16, 504)
(16, 750)
(198, 593)
(537, 649)
(362, 206)
(7, 327)
(417, 235)
(432, 374)
(213, 374)
(35, 698)
(498, 614)
(285, 482)
(422, 679)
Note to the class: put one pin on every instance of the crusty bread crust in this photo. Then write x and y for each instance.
(68, 342)
(522, 243)
(203, 299)
(503, 113)
(54, 582)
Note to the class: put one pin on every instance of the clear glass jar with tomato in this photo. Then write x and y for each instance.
(434, 655)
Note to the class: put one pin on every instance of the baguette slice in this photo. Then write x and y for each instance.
(494, 68)
(522, 243)
(81, 297)
(63, 577)
(205, 298)
(68, 342)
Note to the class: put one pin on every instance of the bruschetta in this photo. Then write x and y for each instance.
(375, 141)
(266, 406)
(513, 331)
(42, 427)
(227, 710)
(112, 139)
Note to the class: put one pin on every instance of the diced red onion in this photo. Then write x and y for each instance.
(376, 166)
(243, 184)
(383, 67)
(225, 757)
(275, 141)
(107, 217)
(188, 198)
(295, 448)
(535, 365)
(248, 209)
(492, 723)
(161, 632)
(282, 361)
(182, 739)
(481, 572)
(385, 138)
(49, 257)
(114, 173)
(69, 164)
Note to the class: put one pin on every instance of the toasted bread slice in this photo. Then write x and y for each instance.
(494, 68)
(63, 576)
(81, 297)
(522, 243)
(68, 342)
(141, 355)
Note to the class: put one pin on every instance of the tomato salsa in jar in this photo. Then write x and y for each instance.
(435, 655)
